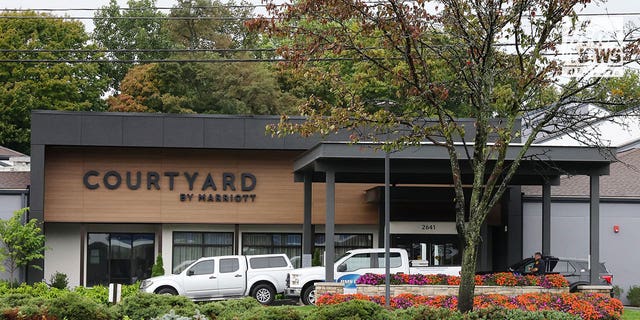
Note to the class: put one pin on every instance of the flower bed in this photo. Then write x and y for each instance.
(505, 279)
(590, 306)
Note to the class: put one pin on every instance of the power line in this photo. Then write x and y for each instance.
(182, 60)
(133, 9)
(128, 18)
(131, 50)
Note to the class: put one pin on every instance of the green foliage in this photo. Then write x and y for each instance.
(316, 260)
(72, 306)
(147, 305)
(224, 88)
(516, 314)
(23, 243)
(59, 280)
(616, 93)
(115, 30)
(354, 309)
(226, 33)
(158, 267)
(617, 291)
(633, 295)
(230, 308)
(272, 313)
(173, 316)
(39, 85)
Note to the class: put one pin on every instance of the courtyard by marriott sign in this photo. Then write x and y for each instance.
(225, 187)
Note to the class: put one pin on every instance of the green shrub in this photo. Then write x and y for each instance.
(72, 306)
(172, 315)
(272, 313)
(354, 309)
(16, 305)
(517, 314)
(38, 289)
(158, 268)
(315, 260)
(633, 295)
(148, 305)
(617, 291)
(59, 280)
(99, 294)
(426, 312)
(229, 309)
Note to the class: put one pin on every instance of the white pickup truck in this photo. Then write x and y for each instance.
(223, 277)
(351, 265)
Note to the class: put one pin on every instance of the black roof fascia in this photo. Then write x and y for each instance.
(349, 161)
(163, 131)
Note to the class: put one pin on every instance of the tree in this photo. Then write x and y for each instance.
(224, 88)
(26, 86)
(158, 268)
(130, 37)
(21, 242)
(213, 25)
(495, 57)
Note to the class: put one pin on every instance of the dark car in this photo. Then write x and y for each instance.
(575, 270)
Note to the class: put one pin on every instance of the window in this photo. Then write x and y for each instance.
(202, 267)
(358, 261)
(267, 262)
(394, 262)
(345, 242)
(563, 267)
(119, 257)
(191, 246)
(266, 243)
(229, 265)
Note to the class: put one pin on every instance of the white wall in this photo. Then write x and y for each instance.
(570, 235)
(63, 255)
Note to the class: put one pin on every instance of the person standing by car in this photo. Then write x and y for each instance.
(538, 267)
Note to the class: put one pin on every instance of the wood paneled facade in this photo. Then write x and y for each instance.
(275, 198)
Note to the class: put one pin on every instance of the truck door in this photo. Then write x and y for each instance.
(201, 280)
(232, 276)
(360, 264)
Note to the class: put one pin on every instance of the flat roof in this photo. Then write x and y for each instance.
(429, 163)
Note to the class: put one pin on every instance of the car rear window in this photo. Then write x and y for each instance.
(267, 262)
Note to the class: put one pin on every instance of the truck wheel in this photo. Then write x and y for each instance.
(309, 295)
(167, 290)
(264, 293)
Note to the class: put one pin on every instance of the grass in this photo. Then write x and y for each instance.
(631, 314)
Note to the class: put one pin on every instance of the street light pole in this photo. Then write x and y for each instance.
(387, 222)
(387, 233)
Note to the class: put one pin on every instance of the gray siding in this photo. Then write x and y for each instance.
(570, 235)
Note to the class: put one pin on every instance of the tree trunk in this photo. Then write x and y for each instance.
(468, 276)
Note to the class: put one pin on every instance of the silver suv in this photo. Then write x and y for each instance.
(575, 270)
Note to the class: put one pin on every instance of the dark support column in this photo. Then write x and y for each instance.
(381, 222)
(307, 233)
(329, 229)
(514, 225)
(483, 252)
(546, 219)
(594, 227)
(36, 206)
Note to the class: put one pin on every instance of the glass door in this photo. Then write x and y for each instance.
(438, 250)
(119, 257)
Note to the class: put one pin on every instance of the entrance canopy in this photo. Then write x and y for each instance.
(427, 163)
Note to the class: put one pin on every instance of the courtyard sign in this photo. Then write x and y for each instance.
(227, 182)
